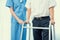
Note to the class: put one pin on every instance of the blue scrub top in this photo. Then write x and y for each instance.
(18, 7)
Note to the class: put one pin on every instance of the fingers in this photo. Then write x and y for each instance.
(52, 23)
(26, 22)
(21, 22)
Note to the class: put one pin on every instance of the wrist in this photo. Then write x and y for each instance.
(51, 18)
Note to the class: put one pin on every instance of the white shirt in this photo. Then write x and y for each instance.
(40, 8)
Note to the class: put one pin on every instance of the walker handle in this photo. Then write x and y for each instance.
(27, 23)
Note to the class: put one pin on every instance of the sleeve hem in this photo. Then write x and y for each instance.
(52, 6)
(9, 6)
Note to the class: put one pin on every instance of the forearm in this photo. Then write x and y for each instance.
(28, 14)
(51, 10)
(13, 14)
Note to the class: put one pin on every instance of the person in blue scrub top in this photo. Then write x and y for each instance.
(18, 11)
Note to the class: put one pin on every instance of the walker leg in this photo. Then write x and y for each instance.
(49, 32)
(53, 32)
(21, 33)
(29, 33)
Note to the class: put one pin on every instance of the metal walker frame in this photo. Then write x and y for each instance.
(50, 28)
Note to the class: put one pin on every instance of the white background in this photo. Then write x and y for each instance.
(5, 25)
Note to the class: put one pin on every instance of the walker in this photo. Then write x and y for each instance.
(29, 28)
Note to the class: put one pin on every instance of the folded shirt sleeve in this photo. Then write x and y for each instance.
(52, 3)
(28, 4)
(9, 3)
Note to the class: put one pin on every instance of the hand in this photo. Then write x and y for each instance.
(20, 21)
(52, 21)
(27, 21)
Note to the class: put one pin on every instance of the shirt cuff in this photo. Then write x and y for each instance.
(7, 5)
(53, 5)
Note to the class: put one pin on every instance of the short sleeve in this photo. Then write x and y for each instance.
(52, 3)
(28, 4)
(9, 3)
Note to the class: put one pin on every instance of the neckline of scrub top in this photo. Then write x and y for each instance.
(21, 0)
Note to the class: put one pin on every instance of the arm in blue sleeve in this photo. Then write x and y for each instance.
(9, 3)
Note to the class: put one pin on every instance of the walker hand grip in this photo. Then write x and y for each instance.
(27, 24)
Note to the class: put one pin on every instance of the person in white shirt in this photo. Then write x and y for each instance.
(42, 11)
